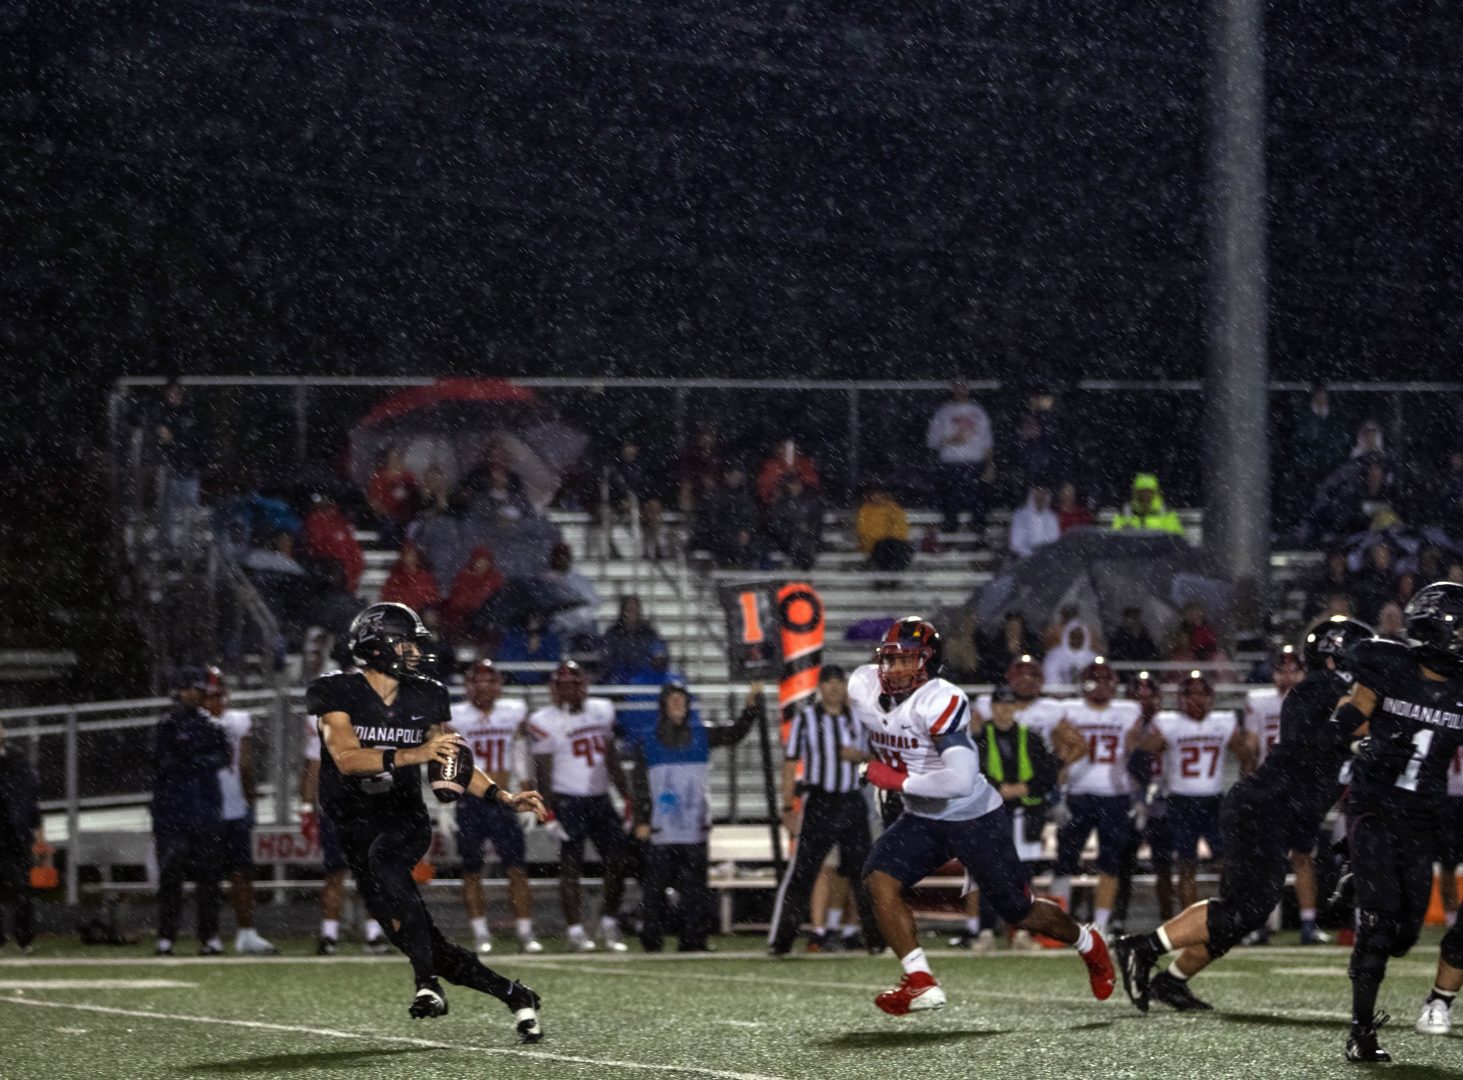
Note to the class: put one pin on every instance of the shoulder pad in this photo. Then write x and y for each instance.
(942, 707)
(328, 693)
(864, 682)
(1376, 661)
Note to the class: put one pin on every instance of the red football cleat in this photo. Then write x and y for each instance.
(914, 993)
(1099, 967)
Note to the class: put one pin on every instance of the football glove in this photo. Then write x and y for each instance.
(884, 776)
(1391, 749)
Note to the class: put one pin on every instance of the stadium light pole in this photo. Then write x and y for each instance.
(1236, 421)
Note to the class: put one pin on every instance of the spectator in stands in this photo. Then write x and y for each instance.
(20, 820)
(632, 492)
(475, 584)
(1131, 643)
(180, 448)
(721, 514)
(960, 435)
(282, 582)
(1318, 440)
(1034, 454)
(579, 626)
(1368, 441)
(1334, 577)
(629, 642)
(392, 494)
(534, 643)
(1337, 604)
(188, 751)
(1391, 624)
(410, 582)
(795, 522)
(743, 551)
(1376, 583)
(881, 529)
(962, 650)
(1072, 511)
(1011, 640)
(699, 470)
(1193, 639)
(1034, 524)
(1145, 509)
(1349, 500)
(1063, 665)
(671, 785)
(635, 717)
(494, 490)
(784, 461)
(328, 535)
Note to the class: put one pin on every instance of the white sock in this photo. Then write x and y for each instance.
(524, 927)
(242, 936)
(1307, 914)
(1101, 916)
(1083, 944)
(330, 928)
(1451, 918)
(835, 919)
(480, 927)
(214, 943)
(608, 924)
(576, 932)
(1177, 972)
(1163, 939)
(164, 943)
(373, 930)
(850, 931)
(915, 961)
(972, 924)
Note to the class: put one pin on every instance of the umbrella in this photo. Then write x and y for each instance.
(522, 598)
(1101, 572)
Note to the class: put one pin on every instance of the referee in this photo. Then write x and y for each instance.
(829, 743)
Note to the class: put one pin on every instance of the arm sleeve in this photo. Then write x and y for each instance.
(731, 734)
(955, 780)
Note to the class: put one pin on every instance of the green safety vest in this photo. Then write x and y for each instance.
(1024, 771)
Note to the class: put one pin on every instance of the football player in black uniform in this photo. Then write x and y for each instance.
(1287, 795)
(1409, 701)
(378, 725)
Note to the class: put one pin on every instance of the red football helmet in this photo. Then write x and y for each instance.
(1099, 681)
(569, 686)
(484, 684)
(215, 686)
(1286, 667)
(1025, 677)
(910, 637)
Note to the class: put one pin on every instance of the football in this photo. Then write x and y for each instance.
(449, 779)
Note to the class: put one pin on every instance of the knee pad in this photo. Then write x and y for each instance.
(1377, 935)
(1452, 950)
(1226, 928)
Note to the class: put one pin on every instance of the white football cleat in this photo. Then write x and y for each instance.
(984, 942)
(529, 945)
(581, 944)
(483, 946)
(1436, 1018)
(612, 939)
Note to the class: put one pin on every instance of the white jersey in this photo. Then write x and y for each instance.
(1455, 775)
(1193, 764)
(491, 735)
(903, 736)
(578, 743)
(1262, 717)
(1104, 771)
(312, 738)
(237, 725)
(1038, 716)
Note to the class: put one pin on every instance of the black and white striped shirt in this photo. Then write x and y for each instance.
(815, 738)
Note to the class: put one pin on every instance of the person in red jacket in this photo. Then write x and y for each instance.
(328, 534)
(784, 461)
(410, 582)
(475, 584)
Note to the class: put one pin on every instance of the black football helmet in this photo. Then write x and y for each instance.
(1332, 638)
(910, 635)
(378, 634)
(1435, 626)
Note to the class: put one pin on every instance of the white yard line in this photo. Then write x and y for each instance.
(402, 1040)
(95, 984)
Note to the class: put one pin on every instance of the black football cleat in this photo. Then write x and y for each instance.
(1136, 967)
(525, 1005)
(1362, 1048)
(429, 1001)
(326, 946)
(1175, 993)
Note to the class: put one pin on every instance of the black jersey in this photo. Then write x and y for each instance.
(420, 703)
(1427, 712)
(1299, 777)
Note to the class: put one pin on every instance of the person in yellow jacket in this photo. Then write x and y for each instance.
(1146, 509)
(882, 530)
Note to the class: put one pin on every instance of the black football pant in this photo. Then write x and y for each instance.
(15, 893)
(828, 819)
(381, 857)
(194, 853)
(682, 867)
(1392, 864)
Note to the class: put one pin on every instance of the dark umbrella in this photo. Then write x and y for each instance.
(521, 598)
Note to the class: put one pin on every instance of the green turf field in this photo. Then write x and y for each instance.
(101, 1013)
